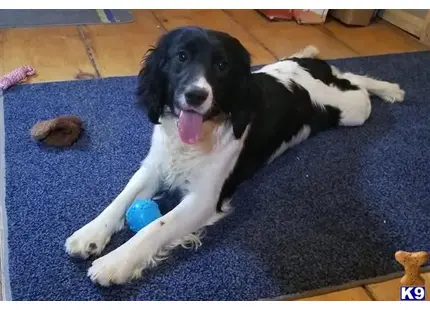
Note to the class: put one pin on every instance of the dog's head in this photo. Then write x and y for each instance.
(196, 74)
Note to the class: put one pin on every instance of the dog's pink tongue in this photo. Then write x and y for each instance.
(190, 126)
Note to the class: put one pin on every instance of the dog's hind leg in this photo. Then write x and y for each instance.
(390, 92)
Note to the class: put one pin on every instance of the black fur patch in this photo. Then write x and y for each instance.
(279, 114)
(321, 70)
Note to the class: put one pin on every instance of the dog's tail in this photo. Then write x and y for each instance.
(309, 51)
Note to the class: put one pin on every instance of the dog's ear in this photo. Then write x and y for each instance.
(240, 120)
(152, 83)
(242, 108)
(242, 94)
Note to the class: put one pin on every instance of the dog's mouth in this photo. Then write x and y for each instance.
(190, 122)
(190, 125)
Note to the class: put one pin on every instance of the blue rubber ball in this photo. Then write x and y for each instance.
(141, 213)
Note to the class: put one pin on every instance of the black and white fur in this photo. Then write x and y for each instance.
(250, 119)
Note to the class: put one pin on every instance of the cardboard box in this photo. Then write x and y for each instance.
(316, 16)
(354, 17)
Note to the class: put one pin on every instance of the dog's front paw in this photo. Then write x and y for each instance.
(92, 238)
(117, 267)
(393, 93)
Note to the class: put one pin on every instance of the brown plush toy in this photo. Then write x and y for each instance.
(60, 131)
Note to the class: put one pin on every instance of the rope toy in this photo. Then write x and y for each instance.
(61, 131)
(412, 261)
(16, 76)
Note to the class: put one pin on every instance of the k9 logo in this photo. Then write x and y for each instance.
(412, 293)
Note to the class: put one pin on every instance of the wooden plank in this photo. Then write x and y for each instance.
(286, 38)
(390, 290)
(354, 294)
(425, 34)
(119, 48)
(218, 20)
(421, 13)
(404, 20)
(56, 53)
(375, 39)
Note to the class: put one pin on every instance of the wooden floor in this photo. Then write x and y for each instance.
(61, 53)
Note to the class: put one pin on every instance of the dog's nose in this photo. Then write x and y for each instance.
(195, 96)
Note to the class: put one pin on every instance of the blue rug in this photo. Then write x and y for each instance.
(331, 211)
(36, 18)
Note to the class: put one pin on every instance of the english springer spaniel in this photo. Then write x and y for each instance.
(215, 124)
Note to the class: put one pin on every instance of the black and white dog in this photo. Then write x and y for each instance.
(216, 124)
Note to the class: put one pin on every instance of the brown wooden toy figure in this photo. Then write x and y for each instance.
(412, 261)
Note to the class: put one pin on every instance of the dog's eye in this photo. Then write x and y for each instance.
(222, 66)
(182, 56)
